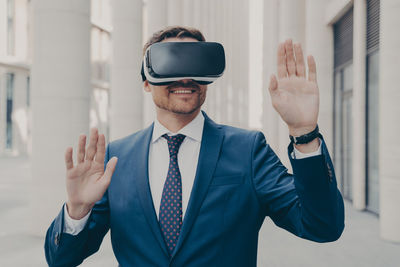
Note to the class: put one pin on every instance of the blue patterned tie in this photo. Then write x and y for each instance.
(170, 215)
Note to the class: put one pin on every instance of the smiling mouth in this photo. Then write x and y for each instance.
(182, 91)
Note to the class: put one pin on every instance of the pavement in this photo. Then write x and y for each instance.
(359, 245)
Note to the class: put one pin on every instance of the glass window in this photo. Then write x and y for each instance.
(100, 54)
(337, 129)
(344, 128)
(372, 105)
(343, 99)
(9, 108)
(28, 91)
(10, 27)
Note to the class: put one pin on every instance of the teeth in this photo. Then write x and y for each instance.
(182, 92)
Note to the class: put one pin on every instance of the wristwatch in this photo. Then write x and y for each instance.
(305, 138)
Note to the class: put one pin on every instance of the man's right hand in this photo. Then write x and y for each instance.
(87, 181)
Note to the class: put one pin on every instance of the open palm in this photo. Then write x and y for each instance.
(293, 96)
(87, 181)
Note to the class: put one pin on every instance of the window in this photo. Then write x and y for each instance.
(372, 106)
(28, 91)
(9, 108)
(343, 99)
(100, 54)
(10, 27)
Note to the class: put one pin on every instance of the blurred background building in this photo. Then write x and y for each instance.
(68, 65)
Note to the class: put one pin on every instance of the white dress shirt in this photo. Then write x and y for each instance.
(188, 156)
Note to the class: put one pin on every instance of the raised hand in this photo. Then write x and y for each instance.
(87, 181)
(293, 96)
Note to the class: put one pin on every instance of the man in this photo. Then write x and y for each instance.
(189, 192)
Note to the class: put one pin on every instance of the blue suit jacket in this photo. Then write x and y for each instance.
(239, 180)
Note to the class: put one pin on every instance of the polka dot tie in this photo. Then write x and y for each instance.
(170, 215)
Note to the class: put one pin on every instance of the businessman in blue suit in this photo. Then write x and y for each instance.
(187, 191)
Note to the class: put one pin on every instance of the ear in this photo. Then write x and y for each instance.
(146, 86)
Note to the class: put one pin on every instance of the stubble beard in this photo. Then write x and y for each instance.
(181, 108)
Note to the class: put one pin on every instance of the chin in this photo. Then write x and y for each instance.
(183, 110)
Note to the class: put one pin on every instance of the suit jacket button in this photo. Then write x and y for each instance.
(329, 172)
(57, 239)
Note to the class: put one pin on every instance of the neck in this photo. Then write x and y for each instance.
(174, 121)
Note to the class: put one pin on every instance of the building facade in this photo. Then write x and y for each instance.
(66, 66)
(353, 43)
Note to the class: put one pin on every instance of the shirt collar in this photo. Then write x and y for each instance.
(193, 129)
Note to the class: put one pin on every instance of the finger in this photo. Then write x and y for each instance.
(110, 168)
(300, 66)
(69, 163)
(282, 72)
(273, 84)
(290, 63)
(312, 69)
(101, 149)
(92, 144)
(81, 148)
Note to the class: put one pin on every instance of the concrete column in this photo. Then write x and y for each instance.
(175, 12)
(359, 104)
(205, 18)
(157, 12)
(214, 29)
(322, 51)
(270, 117)
(212, 93)
(21, 34)
(156, 20)
(291, 25)
(244, 53)
(3, 28)
(216, 100)
(254, 92)
(187, 13)
(234, 84)
(126, 114)
(209, 33)
(197, 14)
(60, 99)
(227, 87)
(240, 61)
(389, 127)
(212, 34)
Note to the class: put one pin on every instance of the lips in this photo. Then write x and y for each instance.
(182, 91)
(180, 87)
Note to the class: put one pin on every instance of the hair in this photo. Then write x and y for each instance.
(174, 31)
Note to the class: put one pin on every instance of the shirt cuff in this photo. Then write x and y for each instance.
(296, 154)
(72, 226)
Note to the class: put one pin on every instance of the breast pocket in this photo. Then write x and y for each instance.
(227, 180)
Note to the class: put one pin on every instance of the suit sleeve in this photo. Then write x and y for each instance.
(306, 203)
(62, 249)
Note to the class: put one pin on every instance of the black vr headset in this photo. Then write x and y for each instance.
(168, 62)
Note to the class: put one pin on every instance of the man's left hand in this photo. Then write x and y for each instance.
(293, 96)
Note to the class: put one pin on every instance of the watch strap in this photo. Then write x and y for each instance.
(305, 138)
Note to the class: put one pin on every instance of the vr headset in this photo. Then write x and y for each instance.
(167, 62)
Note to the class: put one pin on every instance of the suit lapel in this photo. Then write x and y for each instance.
(209, 152)
(140, 166)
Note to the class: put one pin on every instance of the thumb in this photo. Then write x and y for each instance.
(110, 168)
(273, 84)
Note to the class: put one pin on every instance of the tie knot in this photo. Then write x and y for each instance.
(174, 142)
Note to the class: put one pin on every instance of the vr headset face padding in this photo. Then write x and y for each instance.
(167, 62)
